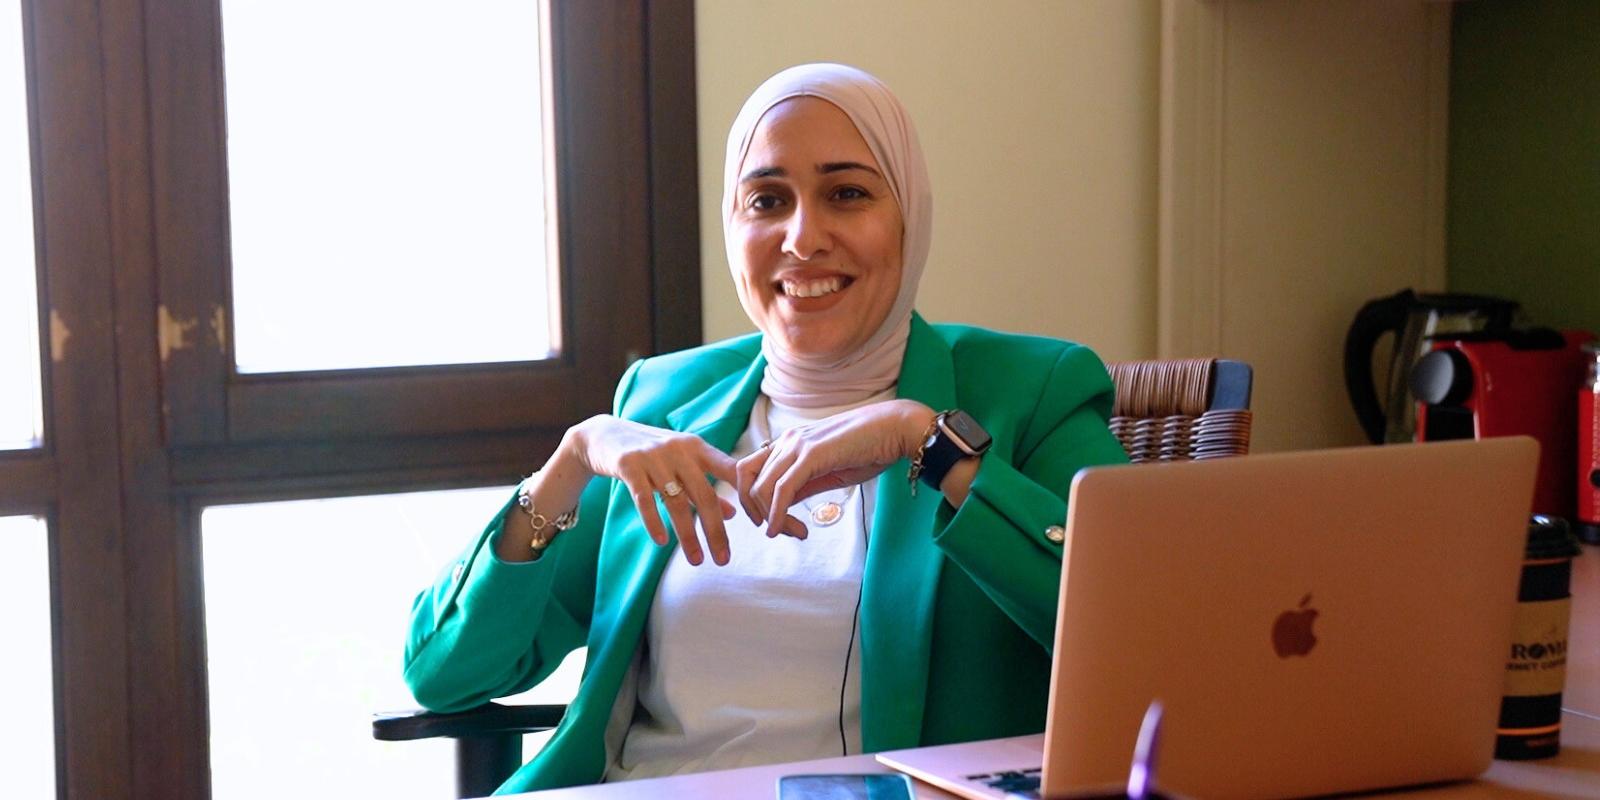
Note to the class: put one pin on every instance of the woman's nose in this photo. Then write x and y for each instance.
(807, 236)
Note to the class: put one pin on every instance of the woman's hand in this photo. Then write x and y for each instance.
(651, 461)
(832, 453)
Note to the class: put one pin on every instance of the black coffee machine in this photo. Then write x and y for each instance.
(1414, 319)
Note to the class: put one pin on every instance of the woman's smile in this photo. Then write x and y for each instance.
(812, 293)
(811, 288)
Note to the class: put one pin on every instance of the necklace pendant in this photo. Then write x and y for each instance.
(827, 513)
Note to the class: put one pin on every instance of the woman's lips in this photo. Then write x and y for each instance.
(813, 287)
(813, 294)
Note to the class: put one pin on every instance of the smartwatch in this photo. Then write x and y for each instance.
(955, 435)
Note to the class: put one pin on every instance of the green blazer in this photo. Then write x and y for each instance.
(958, 606)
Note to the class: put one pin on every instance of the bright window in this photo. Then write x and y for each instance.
(21, 418)
(386, 183)
(28, 737)
(307, 605)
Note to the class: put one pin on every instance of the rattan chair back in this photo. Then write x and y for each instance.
(1181, 410)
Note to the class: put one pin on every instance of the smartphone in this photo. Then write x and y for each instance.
(876, 786)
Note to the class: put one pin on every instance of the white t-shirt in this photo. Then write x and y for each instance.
(759, 661)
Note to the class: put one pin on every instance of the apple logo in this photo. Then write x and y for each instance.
(1291, 633)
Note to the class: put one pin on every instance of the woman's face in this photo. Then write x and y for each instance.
(817, 230)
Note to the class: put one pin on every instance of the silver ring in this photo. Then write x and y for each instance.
(764, 445)
(672, 489)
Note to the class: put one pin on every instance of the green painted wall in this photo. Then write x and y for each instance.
(1524, 187)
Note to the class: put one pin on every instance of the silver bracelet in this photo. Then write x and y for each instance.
(541, 522)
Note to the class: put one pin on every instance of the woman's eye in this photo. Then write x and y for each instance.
(849, 193)
(765, 202)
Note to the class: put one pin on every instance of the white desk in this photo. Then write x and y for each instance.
(1575, 773)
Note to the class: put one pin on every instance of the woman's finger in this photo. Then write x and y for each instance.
(718, 464)
(644, 499)
(708, 508)
(790, 525)
(745, 475)
(669, 492)
(676, 500)
(734, 472)
(826, 483)
(784, 490)
(778, 462)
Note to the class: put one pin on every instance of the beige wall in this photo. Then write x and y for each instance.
(1039, 118)
(1305, 166)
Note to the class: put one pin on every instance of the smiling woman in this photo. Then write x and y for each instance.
(791, 458)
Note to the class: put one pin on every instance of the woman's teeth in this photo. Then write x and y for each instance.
(816, 288)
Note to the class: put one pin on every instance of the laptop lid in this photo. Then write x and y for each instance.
(1314, 622)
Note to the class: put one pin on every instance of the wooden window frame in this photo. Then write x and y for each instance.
(125, 104)
(601, 87)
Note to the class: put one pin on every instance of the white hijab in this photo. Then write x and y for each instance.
(809, 381)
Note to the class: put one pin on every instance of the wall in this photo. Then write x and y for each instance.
(1039, 122)
(1524, 197)
(1303, 173)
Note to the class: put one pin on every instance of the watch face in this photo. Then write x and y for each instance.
(969, 435)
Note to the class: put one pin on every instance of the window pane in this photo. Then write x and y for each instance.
(21, 418)
(386, 173)
(307, 605)
(28, 737)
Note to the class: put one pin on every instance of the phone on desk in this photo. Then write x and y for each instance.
(877, 786)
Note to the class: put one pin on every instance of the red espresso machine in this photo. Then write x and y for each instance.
(1509, 383)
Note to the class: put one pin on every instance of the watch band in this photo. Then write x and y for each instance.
(938, 457)
(953, 436)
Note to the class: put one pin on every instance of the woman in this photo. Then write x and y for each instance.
(843, 610)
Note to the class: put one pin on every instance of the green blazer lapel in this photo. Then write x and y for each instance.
(720, 414)
(902, 570)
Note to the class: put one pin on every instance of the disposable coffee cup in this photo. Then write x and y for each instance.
(1536, 667)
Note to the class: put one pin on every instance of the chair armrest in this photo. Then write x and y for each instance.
(489, 718)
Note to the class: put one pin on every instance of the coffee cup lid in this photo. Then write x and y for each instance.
(1551, 537)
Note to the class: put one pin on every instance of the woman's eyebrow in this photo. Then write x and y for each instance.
(832, 166)
(839, 166)
(763, 172)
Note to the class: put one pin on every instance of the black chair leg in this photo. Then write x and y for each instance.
(485, 762)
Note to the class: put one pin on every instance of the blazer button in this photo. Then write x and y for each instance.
(1056, 533)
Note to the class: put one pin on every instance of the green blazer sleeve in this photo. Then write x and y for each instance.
(488, 628)
(998, 536)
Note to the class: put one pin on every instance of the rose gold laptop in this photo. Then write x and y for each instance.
(1314, 622)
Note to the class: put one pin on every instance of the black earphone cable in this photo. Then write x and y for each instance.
(855, 619)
